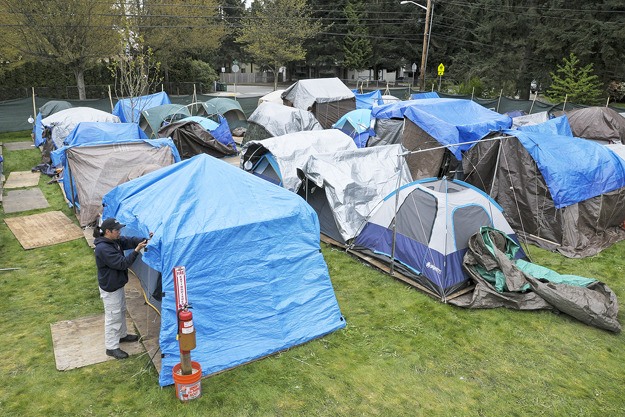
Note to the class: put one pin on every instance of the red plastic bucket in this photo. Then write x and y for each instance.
(188, 387)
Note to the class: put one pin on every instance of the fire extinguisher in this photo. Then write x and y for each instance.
(186, 330)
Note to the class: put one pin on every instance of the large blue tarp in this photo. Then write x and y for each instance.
(394, 110)
(429, 94)
(256, 277)
(574, 169)
(87, 132)
(455, 122)
(129, 109)
(368, 100)
(556, 126)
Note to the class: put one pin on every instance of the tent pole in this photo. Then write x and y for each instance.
(473, 94)
(492, 185)
(499, 101)
(566, 97)
(607, 103)
(111, 98)
(400, 165)
(71, 184)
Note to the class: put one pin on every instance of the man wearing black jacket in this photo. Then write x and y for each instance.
(112, 276)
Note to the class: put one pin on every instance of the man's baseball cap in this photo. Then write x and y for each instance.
(111, 224)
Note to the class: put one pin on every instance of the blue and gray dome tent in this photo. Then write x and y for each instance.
(256, 277)
(424, 228)
(357, 125)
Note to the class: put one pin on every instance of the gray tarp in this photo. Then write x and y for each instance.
(98, 169)
(597, 123)
(304, 93)
(327, 98)
(530, 119)
(292, 151)
(508, 173)
(63, 122)
(356, 181)
(277, 119)
(490, 252)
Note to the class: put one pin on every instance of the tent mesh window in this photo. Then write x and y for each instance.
(467, 222)
(415, 218)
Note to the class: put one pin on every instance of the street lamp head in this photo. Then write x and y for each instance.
(412, 2)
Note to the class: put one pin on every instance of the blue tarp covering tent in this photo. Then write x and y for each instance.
(393, 110)
(87, 132)
(597, 170)
(93, 174)
(556, 126)
(357, 125)
(129, 109)
(368, 100)
(453, 122)
(429, 94)
(256, 278)
(220, 131)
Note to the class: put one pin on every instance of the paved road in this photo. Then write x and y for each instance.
(251, 90)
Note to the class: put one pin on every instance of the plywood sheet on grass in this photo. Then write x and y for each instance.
(24, 200)
(19, 146)
(80, 342)
(22, 179)
(43, 229)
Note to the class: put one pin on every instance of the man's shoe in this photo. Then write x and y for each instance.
(116, 353)
(129, 338)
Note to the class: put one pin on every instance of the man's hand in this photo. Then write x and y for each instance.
(141, 245)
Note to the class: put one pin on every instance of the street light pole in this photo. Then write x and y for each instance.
(426, 38)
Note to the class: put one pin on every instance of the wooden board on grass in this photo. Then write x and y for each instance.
(80, 342)
(24, 200)
(19, 146)
(43, 229)
(22, 179)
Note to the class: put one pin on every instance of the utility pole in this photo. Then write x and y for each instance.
(426, 42)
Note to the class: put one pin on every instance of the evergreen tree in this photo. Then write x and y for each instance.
(578, 83)
(356, 46)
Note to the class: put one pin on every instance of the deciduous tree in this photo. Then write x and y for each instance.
(75, 33)
(275, 31)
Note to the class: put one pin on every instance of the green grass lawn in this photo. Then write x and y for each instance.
(401, 354)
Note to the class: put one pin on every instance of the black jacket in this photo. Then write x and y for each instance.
(111, 262)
